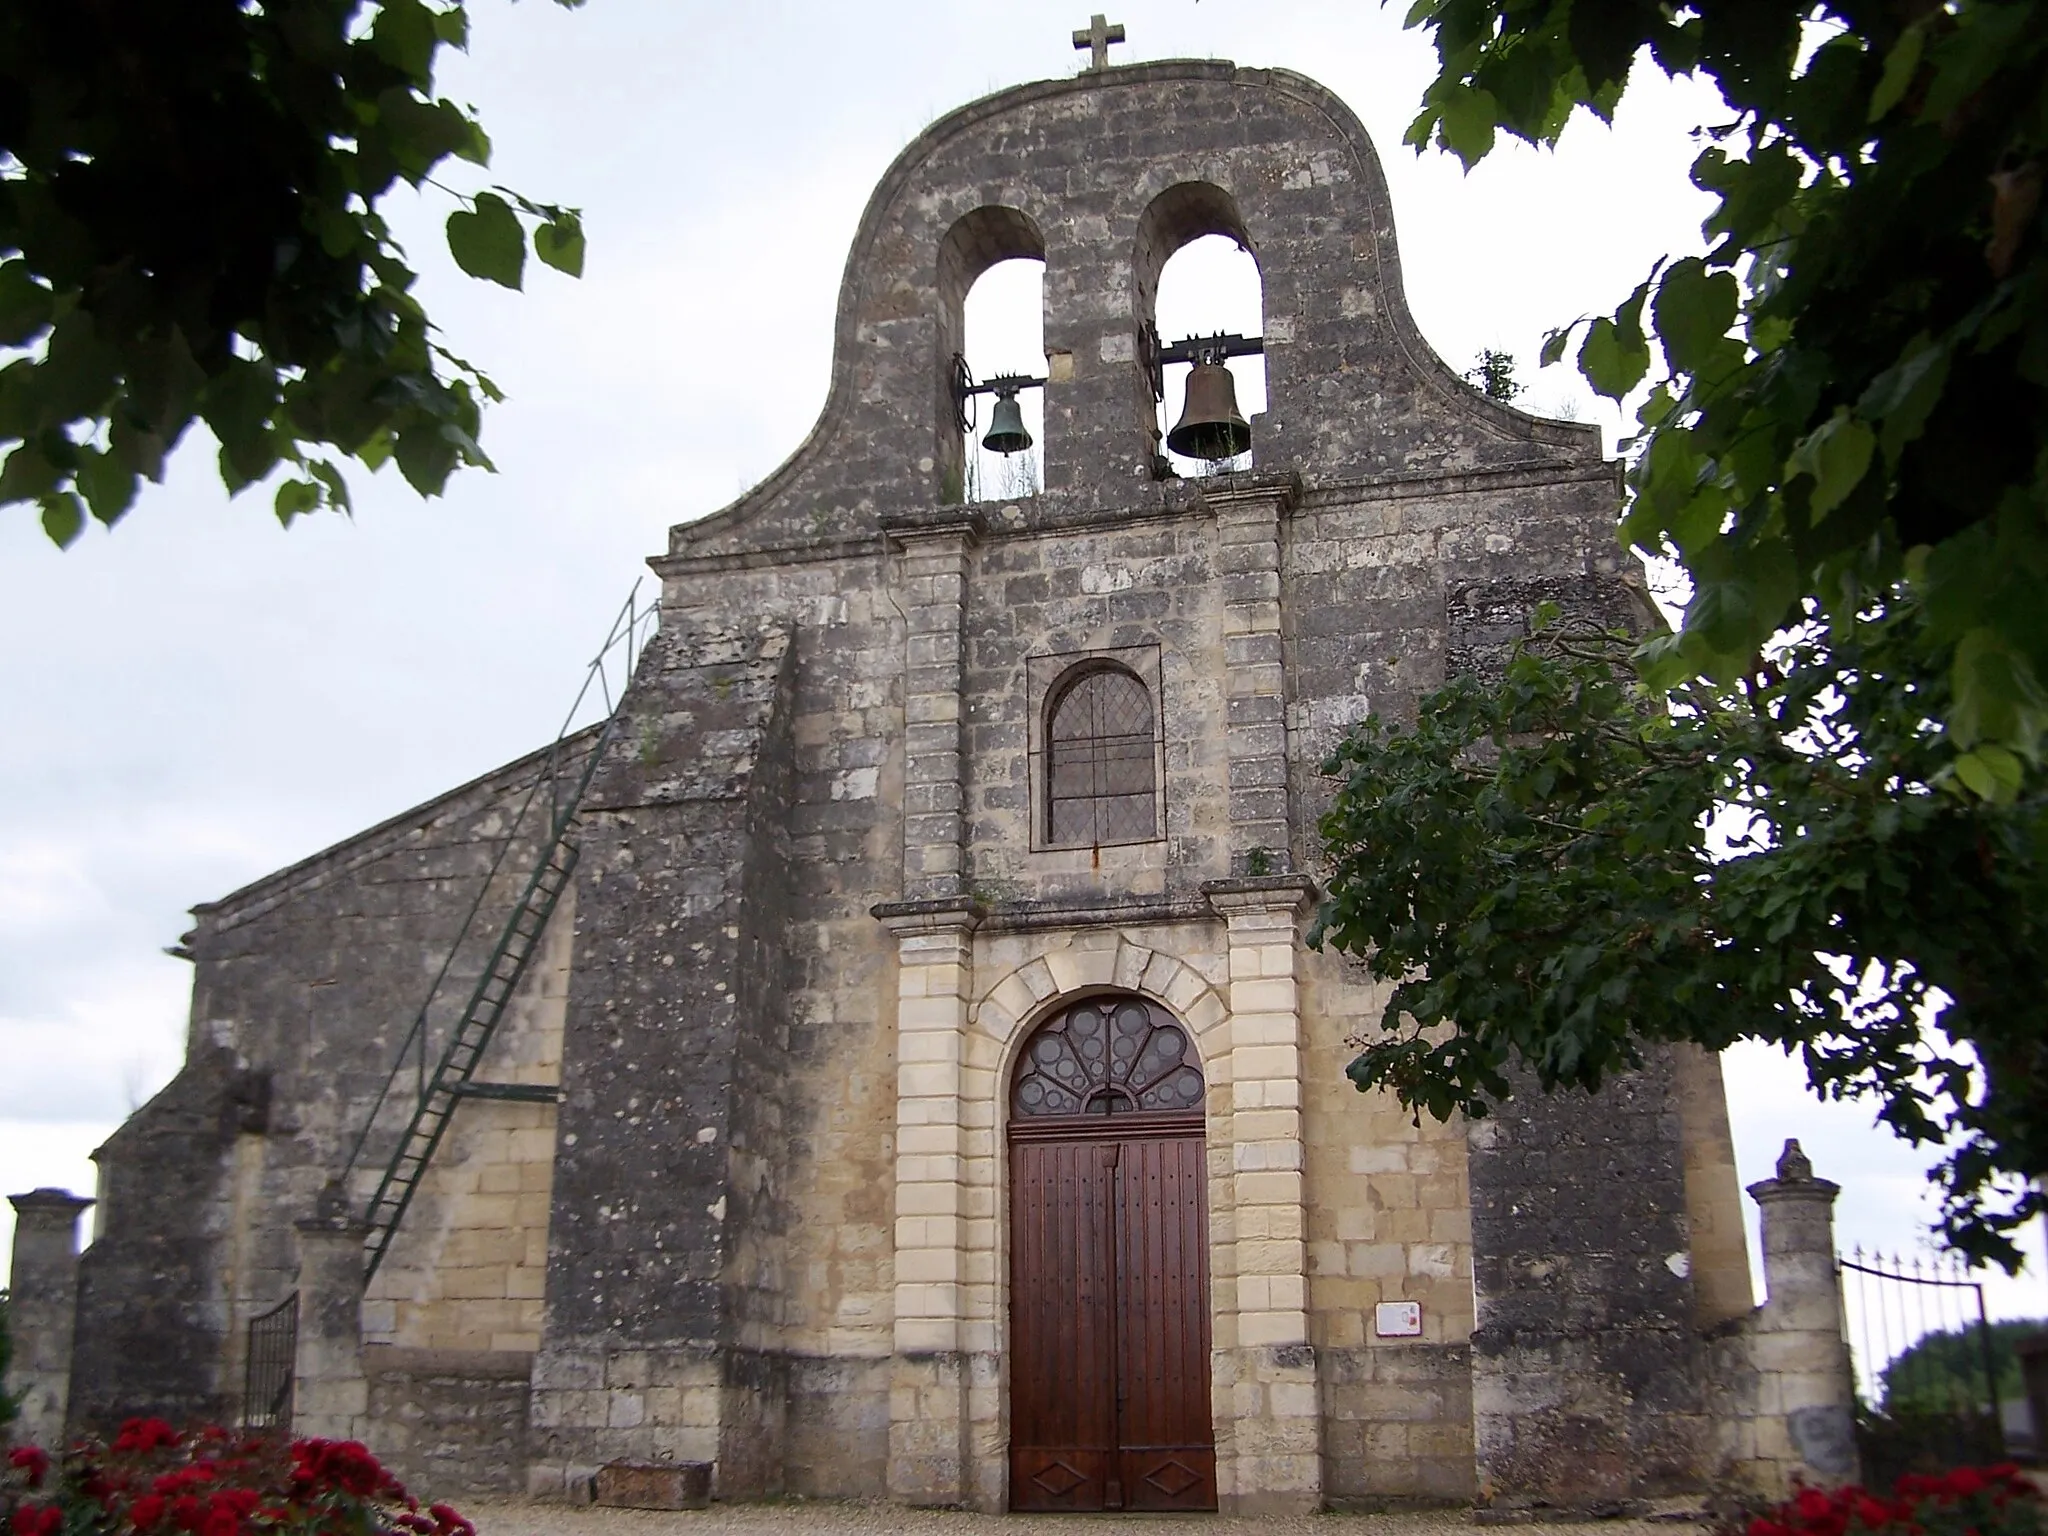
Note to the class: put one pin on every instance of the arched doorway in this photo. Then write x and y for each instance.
(1109, 1265)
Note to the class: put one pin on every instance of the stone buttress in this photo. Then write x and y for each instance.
(665, 1249)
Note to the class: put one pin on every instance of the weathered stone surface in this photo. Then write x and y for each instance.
(820, 908)
(1588, 1375)
(306, 983)
(667, 1233)
(154, 1315)
(655, 1485)
(330, 1394)
(450, 1421)
(1784, 1390)
(42, 1313)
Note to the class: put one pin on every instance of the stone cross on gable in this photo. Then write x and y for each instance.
(1096, 37)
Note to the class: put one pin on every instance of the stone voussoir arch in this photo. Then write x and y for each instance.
(1025, 996)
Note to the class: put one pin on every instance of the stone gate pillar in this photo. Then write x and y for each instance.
(42, 1310)
(1796, 1343)
(330, 1393)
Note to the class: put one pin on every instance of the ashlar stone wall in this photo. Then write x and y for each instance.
(1266, 612)
(305, 984)
(818, 910)
(468, 1268)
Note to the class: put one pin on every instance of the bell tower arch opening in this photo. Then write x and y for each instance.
(991, 328)
(1198, 277)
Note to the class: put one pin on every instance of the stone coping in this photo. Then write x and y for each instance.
(467, 1364)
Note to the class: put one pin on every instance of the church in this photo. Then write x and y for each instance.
(883, 1059)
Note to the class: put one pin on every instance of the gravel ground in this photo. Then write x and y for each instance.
(509, 1517)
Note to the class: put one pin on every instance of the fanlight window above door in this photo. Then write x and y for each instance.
(1107, 1056)
(1102, 777)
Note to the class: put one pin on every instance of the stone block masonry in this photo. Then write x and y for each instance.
(450, 1420)
(155, 1309)
(42, 1312)
(657, 1259)
(759, 1218)
(330, 1393)
(1589, 1380)
(1786, 1393)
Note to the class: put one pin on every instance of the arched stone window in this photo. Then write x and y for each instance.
(1102, 759)
(1107, 1056)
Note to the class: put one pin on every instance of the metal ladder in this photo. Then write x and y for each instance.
(557, 793)
(494, 989)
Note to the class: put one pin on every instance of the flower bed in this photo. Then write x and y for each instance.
(1970, 1501)
(155, 1481)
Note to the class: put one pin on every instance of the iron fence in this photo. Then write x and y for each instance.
(267, 1374)
(1927, 1378)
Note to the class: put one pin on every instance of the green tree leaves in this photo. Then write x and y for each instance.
(1493, 375)
(1554, 872)
(487, 241)
(1853, 382)
(1836, 454)
(559, 243)
(1694, 312)
(1613, 363)
(201, 241)
(26, 306)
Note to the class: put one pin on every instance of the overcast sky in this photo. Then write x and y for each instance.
(199, 698)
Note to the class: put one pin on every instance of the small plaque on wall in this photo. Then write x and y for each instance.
(1397, 1319)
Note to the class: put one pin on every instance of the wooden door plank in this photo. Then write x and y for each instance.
(1167, 1452)
(1063, 1299)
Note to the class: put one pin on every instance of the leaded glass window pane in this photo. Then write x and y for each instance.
(1101, 762)
(1107, 1056)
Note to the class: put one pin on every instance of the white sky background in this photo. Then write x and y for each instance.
(199, 698)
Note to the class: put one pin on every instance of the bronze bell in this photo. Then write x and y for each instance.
(1209, 426)
(1006, 434)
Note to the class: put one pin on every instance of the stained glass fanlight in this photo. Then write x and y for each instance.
(1107, 1056)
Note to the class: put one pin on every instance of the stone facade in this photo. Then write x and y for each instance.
(753, 1208)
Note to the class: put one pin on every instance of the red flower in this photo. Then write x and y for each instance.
(38, 1520)
(1812, 1504)
(346, 1465)
(1966, 1481)
(147, 1510)
(145, 1435)
(31, 1459)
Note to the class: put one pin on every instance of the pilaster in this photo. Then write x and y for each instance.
(42, 1311)
(930, 1461)
(1255, 679)
(330, 1392)
(1265, 1375)
(933, 586)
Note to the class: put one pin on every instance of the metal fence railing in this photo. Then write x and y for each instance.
(267, 1374)
(1927, 1366)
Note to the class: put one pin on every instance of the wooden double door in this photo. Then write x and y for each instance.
(1109, 1315)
